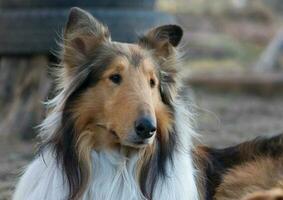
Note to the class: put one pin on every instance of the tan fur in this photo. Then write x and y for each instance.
(101, 110)
(164, 121)
(274, 194)
(259, 175)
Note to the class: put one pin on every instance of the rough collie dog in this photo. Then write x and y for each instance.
(118, 128)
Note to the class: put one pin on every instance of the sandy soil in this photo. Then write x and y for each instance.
(223, 119)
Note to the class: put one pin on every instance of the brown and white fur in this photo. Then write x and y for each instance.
(91, 149)
(90, 146)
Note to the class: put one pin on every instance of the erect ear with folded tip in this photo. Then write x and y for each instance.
(162, 39)
(82, 34)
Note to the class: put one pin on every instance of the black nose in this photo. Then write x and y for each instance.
(145, 127)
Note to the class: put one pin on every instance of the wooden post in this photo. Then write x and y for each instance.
(23, 87)
(268, 60)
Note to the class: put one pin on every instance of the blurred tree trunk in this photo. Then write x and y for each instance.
(23, 87)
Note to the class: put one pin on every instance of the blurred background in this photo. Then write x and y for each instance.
(233, 65)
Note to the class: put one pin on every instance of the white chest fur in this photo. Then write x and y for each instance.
(113, 179)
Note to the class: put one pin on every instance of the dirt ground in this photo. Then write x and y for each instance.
(222, 119)
(13, 157)
(225, 119)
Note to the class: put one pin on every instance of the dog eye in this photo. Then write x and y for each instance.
(152, 83)
(116, 78)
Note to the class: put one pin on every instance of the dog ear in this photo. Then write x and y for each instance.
(82, 34)
(162, 39)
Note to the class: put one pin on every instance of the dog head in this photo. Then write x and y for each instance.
(120, 92)
(113, 95)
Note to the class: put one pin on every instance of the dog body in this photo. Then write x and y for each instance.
(248, 171)
(118, 128)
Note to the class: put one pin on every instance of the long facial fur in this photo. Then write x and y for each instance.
(71, 145)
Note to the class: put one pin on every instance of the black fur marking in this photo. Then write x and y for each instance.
(166, 94)
(166, 99)
(67, 155)
(65, 142)
(173, 32)
(219, 161)
(136, 58)
(156, 167)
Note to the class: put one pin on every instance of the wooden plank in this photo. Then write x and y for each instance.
(260, 83)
